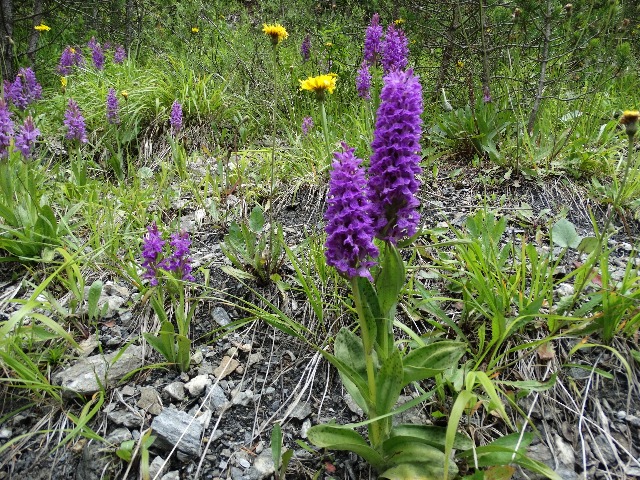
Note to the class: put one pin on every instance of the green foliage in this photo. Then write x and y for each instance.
(254, 252)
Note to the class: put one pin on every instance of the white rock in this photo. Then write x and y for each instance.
(197, 384)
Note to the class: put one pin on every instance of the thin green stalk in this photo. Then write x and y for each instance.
(375, 428)
(273, 154)
(325, 130)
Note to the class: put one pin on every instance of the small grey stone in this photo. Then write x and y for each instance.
(352, 405)
(306, 425)
(175, 390)
(244, 463)
(157, 467)
(150, 400)
(173, 475)
(126, 318)
(302, 411)
(172, 426)
(128, 391)
(633, 420)
(81, 377)
(565, 290)
(126, 418)
(118, 436)
(236, 473)
(603, 447)
(621, 415)
(196, 358)
(263, 466)
(242, 398)
(216, 397)
(197, 384)
(5, 433)
(220, 316)
(269, 390)
(254, 358)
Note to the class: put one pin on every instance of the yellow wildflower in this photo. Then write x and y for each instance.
(630, 121)
(320, 84)
(459, 64)
(399, 21)
(63, 82)
(276, 31)
(195, 29)
(72, 50)
(125, 94)
(42, 27)
(328, 44)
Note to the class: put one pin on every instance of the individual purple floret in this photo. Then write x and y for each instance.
(486, 97)
(363, 81)
(26, 137)
(180, 262)
(152, 247)
(307, 125)
(372, 38)
(6, 128)
(395, 49)
(74, 121)
(23, 90)
(176, 117)
(349, 245)
(113, 107)
(395, 157)
(97, 54)
(305, 48)
(119, 54)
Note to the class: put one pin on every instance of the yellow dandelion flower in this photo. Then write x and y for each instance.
(320, 84)
(276, 31)
(195, 29)
(42, 27)
(63, 82)
(630, 121)
(328, 44)
(629, 116)
(125, 94)
(459, 64)
(399, 21)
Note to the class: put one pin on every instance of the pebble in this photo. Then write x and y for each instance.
(197, 384)
(220, 316)
(175, 390)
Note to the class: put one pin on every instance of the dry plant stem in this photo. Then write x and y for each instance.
(325, 129)
(543, 69)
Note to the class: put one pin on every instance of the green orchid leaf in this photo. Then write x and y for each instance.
(370, 308)
(389, 383)
(337, 437)
(429, 434)
(415, 471)
(428, 361)
(390, 281)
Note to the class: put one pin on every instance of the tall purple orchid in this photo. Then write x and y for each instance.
(26, 137)
(6, 128)
(24, 90)
(74, 121)
(372, 39)
(305, 48)
(176, 117)
(363, 81)
(349, 245)
(395, 49)
(113, 107)
(396, 157)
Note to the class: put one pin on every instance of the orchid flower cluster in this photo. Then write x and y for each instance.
(24, 138)
(390, 50)
(385, 206)
(177, 261)
(24, 90)
(171, 342)
(72, 56)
